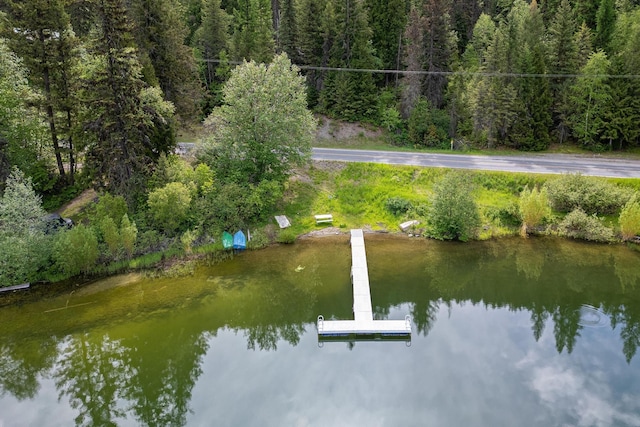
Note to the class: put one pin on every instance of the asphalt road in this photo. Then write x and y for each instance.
(592, 165)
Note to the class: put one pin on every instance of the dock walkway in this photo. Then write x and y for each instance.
(363, 322)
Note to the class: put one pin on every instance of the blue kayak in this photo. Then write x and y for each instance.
(239, 240)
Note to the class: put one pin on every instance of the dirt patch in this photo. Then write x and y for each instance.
(78, 204)
(338, 130)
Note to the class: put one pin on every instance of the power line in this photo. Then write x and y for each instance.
(447, 73)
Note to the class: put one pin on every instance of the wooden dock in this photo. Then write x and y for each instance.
(363, 322)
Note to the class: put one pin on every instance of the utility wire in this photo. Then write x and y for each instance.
(448, 73)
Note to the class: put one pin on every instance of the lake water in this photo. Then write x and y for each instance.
(537, 332)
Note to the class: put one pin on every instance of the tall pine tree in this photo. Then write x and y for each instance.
(126, 120)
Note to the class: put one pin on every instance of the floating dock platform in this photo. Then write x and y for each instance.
(363, 322)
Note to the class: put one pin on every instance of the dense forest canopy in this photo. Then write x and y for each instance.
(107, 82)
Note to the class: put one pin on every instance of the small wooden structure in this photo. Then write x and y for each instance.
(322, 219)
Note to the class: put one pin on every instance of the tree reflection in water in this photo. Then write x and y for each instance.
(146, 368)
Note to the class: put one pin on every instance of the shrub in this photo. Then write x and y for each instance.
(187, 239)
(76, 251)
(128, 235)
(630, 219)
(508, 215)
(592, 195)
(534, 207)
(286, 236)
(169, 205)
(428, 126)
(114, 207)
(398, 205)
(453, 213)
(579, 225)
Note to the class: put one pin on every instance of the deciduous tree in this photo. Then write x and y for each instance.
(264, 128)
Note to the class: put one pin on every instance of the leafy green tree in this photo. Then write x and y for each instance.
(169, 205)
(160, 33)
(630, 219)
(591, 96)
(76, 251)
(21, 130)
(23, 245)
(534, 207)
(253, 31)
(453, 214)
(264, 129)
(128, 124)
(128, 235)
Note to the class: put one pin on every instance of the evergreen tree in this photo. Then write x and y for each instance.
(622, 120)
(438, 48)
(253, 31)
(605, 24)
(126, 121)
(563, 59)
(586, 11)
(413, 54)
(584, 43)
(314, 41)
(464, 15)
(387, 19)
(351, 95)
(211, 42)
(531, 130)
(38, 30)
(160, 33)
(287, 34)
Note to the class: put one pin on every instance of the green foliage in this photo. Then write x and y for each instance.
(110, 235)
(579, 225)
(253, 31)
(169, 205)
(128, 235)
(235, 206)
(286, 236)
(398, 206)
(428, 127)
(24, 248)
(76, 251)
(534, 207)
(109, 206)
(264, 129)
(453, 213)
(592, 195)
(630, 219)
(187, 239)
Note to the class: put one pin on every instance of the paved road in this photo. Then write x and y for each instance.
(533, 163)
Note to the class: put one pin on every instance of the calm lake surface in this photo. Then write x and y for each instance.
(537, 332)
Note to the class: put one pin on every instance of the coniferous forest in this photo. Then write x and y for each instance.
(83, 76)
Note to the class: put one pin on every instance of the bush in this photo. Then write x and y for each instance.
(398, 205)
(75, 251)
(114, 207)
(286, 236)
(579, 225)
(534, 207)
(453, 213)
(169, 205)
(630, 219)
(592, 195)
(428, 127)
